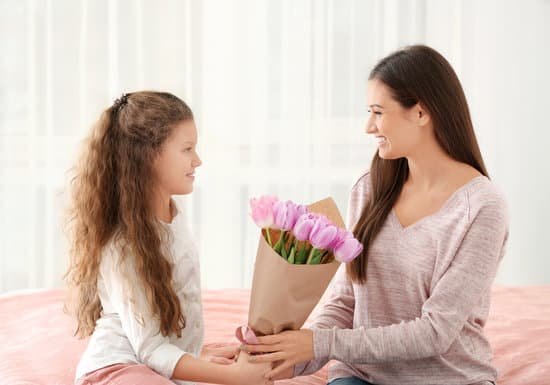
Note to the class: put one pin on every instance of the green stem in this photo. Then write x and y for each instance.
(283, 251)
(316, 260)
(277, 246)
(268, 237)
(311, 254)
(292, 254)
(291, 240)
(301, 254)
(322, 256)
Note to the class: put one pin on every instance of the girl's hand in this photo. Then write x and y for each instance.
(220, 354)
(290, 348)
(284, 375)
(247, 373)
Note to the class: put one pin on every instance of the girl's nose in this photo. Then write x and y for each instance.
(197, 161)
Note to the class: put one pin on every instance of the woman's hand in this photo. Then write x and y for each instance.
(247, 373)
(220, 353)
(289, 348)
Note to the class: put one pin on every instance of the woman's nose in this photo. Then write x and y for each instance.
(370, 127)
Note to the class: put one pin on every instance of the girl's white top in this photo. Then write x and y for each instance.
(127, 332)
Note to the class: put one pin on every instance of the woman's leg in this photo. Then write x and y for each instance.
(349, 381)
(124, 374)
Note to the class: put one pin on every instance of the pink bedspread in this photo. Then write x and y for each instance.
(37, 346)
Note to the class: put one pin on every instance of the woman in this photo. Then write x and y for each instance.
(412, 307)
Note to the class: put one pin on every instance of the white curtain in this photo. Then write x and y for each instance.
(278, 89)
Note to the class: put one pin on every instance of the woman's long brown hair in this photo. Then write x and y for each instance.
(111, 195)
(415, 74)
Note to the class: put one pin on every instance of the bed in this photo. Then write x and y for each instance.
(37, 346)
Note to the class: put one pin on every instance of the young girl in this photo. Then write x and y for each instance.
(411, 309)
(134, 271)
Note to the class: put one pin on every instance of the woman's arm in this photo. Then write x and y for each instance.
(337, 311)
(297, 346)
(444, 314)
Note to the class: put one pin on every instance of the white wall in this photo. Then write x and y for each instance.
(267, 80)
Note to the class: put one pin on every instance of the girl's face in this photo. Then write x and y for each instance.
(398, 131)
(175, 166)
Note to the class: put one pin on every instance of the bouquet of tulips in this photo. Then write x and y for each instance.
(301, 236)
(300, 249)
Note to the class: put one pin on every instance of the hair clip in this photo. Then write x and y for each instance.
(121, 102)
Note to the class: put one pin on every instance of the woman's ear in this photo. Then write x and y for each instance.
(422, 116)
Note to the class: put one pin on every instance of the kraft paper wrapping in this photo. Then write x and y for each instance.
(283, 295)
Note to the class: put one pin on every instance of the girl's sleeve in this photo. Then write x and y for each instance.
(469, 276)
(140, 326)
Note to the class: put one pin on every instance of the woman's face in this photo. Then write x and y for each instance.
(175, 165)
(398, 131)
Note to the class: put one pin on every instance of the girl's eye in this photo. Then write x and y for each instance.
(374, 112)
(188, 149)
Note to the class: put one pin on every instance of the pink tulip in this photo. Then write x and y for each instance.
(341, 236)
(303, 226)
(348, 250)
(323, 233)
(262, 211)
(286, 214)
(323, 220)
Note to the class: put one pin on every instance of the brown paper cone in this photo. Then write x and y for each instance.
(283, 295)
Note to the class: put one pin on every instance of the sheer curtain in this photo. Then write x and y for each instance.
(278, 90)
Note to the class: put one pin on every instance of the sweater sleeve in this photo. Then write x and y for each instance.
(141, 328)
(444, 313)
(338, 310)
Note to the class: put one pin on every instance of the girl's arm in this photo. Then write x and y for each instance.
(242, 372)
(221, 354)
(151, 348)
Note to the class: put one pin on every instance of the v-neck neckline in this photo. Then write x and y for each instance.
(438, 212)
